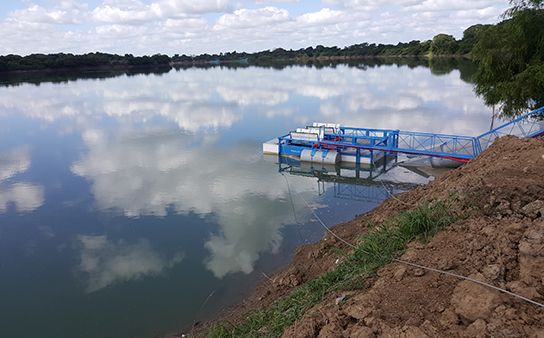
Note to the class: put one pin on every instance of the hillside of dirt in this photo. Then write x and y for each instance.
(501, 243)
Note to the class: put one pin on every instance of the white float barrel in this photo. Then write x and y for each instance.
(320, 156)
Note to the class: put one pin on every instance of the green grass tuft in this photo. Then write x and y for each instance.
(375, 249)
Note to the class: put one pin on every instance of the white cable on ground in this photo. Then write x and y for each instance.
(417, 265)
(469, 279)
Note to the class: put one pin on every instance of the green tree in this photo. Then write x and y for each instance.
(510, 59)
(470, 38)
(444, 44)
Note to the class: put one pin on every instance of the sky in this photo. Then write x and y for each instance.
(147, 27)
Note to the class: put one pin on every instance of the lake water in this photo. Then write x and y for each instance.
(125, 201)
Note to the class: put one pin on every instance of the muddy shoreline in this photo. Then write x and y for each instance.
(501, 243)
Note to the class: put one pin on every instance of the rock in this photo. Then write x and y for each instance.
(534, 209)
(418, 272)
(405, 332)
(476, 244)
(521, 289)
(399, 274)
(531, 248)
(360, 331)
(449, 318)
(445, 264)
(504, 208)
(473, 301)
(414, 332)
(540, 333)
(429, 329)
(331, 331)
(478, 329)
(357, 311)
(369, 321)
(493, 272)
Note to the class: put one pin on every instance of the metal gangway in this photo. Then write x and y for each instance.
(361, 142)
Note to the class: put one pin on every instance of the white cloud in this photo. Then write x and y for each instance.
(191, 23)
(370, 5)
(362, 6)
(177, 7)
(136, 12)
(104, 262)
(119, 31)
(480, 14)
(116, 15)
(266, 2)
(66, 14)
(211, 26)
(245, 18)
(448, 5)
(324, 17)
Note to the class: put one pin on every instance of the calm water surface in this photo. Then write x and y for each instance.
(126, 201)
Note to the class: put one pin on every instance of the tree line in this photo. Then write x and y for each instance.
(442, 44)
(70, 61)
(509, 57)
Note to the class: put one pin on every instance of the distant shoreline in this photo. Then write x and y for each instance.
(121, 67)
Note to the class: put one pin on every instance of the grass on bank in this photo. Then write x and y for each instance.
(375, 249)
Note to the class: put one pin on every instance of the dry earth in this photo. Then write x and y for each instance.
(501, 243)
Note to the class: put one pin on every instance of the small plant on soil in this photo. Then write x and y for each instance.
(375, 249)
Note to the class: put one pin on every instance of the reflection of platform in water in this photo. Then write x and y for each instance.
(361, 182)
(365, 193)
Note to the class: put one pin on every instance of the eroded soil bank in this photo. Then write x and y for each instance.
(501, 243)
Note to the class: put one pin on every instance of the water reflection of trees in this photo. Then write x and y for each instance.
(37, 78)
(438, 66)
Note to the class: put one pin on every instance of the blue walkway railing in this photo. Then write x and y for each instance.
(529, 125)
(350, 141)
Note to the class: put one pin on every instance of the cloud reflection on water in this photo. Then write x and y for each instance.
(26, 196)
(142, 170)
(104, 262)
(378, 97)
(156, 172)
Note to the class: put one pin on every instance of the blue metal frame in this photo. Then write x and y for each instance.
(528, 125)
(458, 148)
(453, 147)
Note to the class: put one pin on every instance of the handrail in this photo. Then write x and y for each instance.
(526, 126)
(454, 147)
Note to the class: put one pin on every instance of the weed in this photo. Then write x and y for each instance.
(375, 249)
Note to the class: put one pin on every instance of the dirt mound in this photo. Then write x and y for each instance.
(501, 243)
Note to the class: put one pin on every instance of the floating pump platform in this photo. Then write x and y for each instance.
(329, 143)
